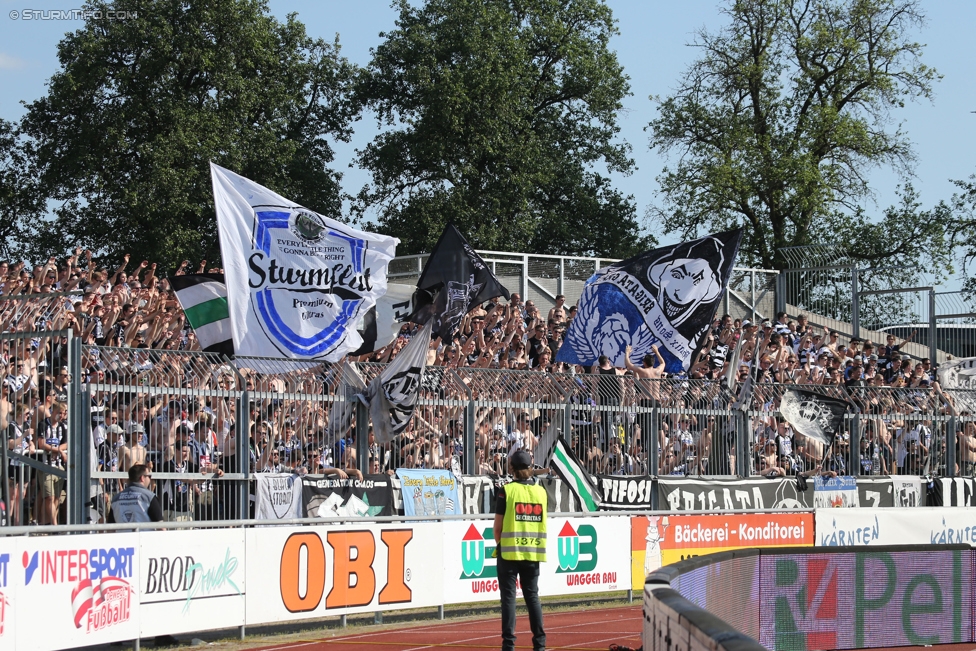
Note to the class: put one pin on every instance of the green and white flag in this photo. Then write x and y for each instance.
(204, 301)
(570, 470)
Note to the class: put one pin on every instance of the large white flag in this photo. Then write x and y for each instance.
(297, 282)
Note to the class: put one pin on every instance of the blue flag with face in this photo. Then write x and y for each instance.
(666, 297)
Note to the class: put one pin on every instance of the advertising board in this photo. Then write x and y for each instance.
(191, 581)
(77, 590)
(865, 599)
(584, 555)
(308, 572)
(659, 540)
(8, 599)
(919, 526)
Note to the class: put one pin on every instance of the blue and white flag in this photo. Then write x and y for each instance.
(297, 282)
(665, 297)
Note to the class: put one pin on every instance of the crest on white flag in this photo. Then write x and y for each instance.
(297, 282)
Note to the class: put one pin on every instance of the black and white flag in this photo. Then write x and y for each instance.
(814, 415)
(392, 395)
(351, 385)
(959, 375)
(665, 297)
(381, 323)
(455, 280)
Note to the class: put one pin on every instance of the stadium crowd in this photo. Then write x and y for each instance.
(138, 338)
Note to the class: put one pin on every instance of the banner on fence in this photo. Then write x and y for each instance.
(660, 540)
(277, 497)
(958, 491)
(561, 498)
(191, 581)
(834, 492)
(476, 494)
(906, 492)
(625, 493)
(732, 494)
(344, 498)
(429, 492)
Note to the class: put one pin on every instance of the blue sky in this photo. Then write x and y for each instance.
(652, 47)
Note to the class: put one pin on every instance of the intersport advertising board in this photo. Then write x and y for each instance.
(918, 526)
(583, 556)
(71, 591)
(308, 572)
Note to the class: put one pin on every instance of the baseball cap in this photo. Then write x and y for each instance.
(520, 460)
(114, 429)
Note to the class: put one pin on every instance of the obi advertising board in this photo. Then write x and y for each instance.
(583, 555)
(659, 540)
(918, 526)
(191, 581)
(308, 572)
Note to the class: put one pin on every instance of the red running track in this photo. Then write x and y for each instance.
(586, 630)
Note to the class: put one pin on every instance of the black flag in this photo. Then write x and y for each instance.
(455, 279)
(813, 414)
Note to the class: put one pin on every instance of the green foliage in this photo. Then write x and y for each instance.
(776, 126)
(20, 201)
(139, 107)
(496, 113)
(963, 228)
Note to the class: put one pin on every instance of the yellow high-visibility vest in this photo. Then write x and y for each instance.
(524, 525)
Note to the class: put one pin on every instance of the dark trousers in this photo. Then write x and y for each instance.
(527, 573)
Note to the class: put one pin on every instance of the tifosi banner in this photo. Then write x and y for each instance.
(660, 540)
(621, 493)
(343, 498)
(297, 283)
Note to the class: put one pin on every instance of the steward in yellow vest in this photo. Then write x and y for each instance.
(520, 540)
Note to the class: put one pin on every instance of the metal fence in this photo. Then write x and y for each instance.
(207, 425)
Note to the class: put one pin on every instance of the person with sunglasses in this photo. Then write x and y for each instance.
(136, 503)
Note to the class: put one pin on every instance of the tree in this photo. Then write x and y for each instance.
(497, 112)
(963, 228)
(20, 201)
(140, 106)
(776, 126)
